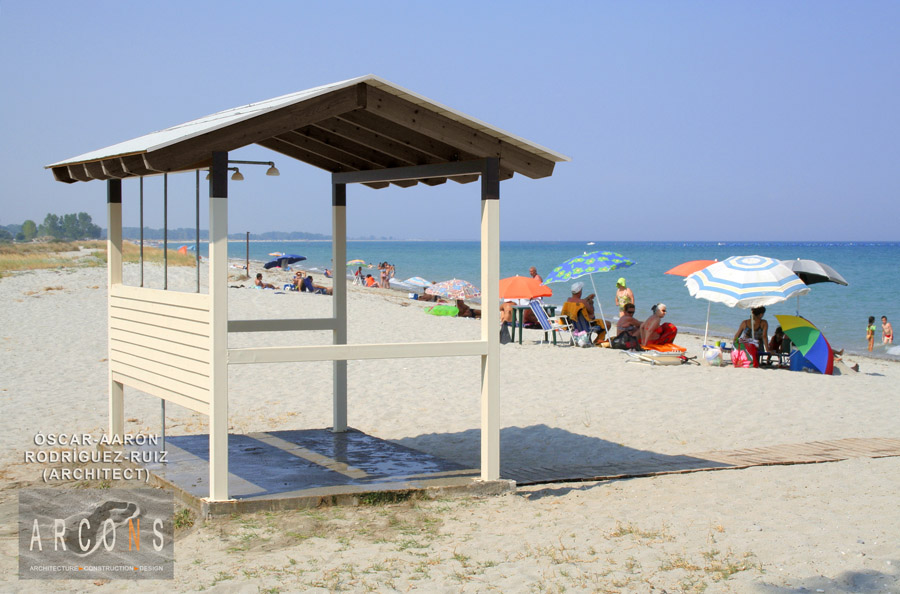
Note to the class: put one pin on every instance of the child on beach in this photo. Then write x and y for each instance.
(870, 332)
(887, 331)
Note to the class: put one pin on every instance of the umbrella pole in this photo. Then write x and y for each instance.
(798, 305)
(600, 305)
(706, 332)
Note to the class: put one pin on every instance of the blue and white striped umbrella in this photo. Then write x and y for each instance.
(417, 281)
(746, 282)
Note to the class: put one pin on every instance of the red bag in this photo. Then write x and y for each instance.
(744, 355)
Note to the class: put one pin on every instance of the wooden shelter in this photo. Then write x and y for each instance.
(365, 130)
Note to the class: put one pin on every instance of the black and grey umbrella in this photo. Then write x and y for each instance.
(812, 272)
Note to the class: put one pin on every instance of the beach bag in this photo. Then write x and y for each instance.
(582, 339)
(744, 355)
(505, 338)
(624, 341)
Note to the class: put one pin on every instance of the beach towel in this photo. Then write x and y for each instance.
(666, 348)
(443, 310)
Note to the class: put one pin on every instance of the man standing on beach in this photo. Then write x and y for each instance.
(887, 331)
(533, 272)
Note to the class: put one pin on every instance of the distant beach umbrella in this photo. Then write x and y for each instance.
(588, 264)
(276, 253)
(454, 289)
(812, 272)
(523, 287)
(283, 261)
(417, 281)
(357, 263)
(810, 341)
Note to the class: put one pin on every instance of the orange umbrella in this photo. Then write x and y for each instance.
(182, 249)
(523, 287)
(689, 268)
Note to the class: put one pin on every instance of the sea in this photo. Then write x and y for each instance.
(872, 270)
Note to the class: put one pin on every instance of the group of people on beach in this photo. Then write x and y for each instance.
(652, 331)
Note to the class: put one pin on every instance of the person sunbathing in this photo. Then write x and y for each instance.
(628, 324)
(312, 287)
(654, 331)
(465, 311)
(260, 284)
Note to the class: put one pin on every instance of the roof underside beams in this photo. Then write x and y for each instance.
(352, 129)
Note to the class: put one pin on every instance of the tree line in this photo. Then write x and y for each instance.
(67, 227)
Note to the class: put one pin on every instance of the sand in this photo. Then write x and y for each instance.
(832, 527)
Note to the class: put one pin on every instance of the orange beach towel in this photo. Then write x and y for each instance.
(665, 348)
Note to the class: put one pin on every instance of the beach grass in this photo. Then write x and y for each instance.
(15, 257)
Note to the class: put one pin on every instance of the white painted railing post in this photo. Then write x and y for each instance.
(490, 320)
(339, 300)
(114, 277)
(218, 295)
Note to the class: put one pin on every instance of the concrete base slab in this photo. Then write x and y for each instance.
(279, 470)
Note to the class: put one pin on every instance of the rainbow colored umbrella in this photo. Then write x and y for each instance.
(810, 341)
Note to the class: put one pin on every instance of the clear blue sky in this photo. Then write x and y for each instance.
(684, 120)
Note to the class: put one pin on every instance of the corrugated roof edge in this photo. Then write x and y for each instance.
(168, 136)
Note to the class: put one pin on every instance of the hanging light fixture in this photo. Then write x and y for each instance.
(272, 170)
(237, 174)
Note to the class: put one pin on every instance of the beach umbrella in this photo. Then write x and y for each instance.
(454, 289)
(523, 287)
(356, 263)
(810, 341)
(417, 281)
(688, 268)
(745, 282)
(812, 272)
(284, 260)
(588, 264)
(276, 253)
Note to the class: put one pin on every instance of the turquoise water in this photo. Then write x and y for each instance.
(872, 269)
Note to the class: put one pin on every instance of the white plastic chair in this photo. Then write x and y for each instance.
(555, 324)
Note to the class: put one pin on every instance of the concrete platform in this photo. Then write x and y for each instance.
(279, 470)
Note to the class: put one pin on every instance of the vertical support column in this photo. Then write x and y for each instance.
(218, 291)
(339, 300)
(490, 320)
(114, 277)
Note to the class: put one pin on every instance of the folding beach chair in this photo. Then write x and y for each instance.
(548, 324)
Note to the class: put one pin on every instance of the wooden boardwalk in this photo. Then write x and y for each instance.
(652, 464)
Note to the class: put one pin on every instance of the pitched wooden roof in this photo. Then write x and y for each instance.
(359, 124)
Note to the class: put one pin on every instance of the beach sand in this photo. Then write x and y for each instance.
(832, 527)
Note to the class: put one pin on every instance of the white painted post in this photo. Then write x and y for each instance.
(114, 277)
(490, 320)
(218, 296)
(339, 301)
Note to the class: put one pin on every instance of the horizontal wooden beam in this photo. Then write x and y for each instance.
(404, 154)
(281, 325)
(456, 134)
(134, 164)
(78, 172)
(311, 145)
(295, 152)
(412, 172)
(350, 147)
(352, 352)
(256, 129)
(113, 168)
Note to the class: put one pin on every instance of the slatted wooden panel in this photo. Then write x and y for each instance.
(159, 343)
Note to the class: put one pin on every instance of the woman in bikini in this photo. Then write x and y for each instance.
(760, 328)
